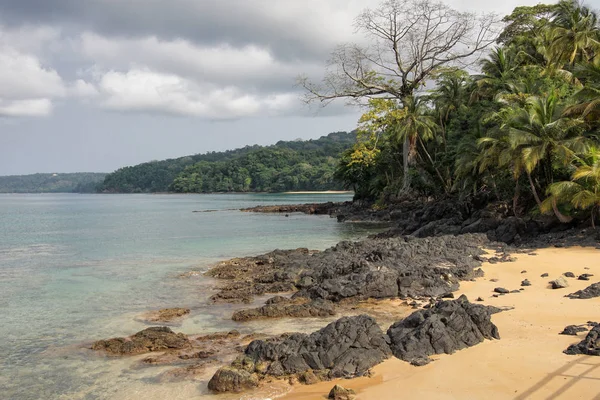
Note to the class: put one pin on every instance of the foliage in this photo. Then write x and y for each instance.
(517, 129)
(285, 166)
(79, 182)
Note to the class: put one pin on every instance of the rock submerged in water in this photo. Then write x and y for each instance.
(279, 307)
(166, 315)
(445, 328)
(588, 293)
(150, 339)
(589, 346)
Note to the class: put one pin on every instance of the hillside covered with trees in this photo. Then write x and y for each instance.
(284, 166)
(520, 124)
(78, 182)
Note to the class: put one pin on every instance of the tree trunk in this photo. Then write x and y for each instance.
(534, 191)
(561, 217)
(406, 165)
(516, 199)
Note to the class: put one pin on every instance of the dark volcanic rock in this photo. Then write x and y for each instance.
(589, 346)
(347, 347)
(545, 275)
(150, 339)
(229, 379)
(585, 277)
(569, 275)
(573, 330)
(526, 283)
(445, 328)
(588, 293)
(279, 308)
(371, 268)
(501, 290)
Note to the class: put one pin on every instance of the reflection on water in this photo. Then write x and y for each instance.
(78, 268)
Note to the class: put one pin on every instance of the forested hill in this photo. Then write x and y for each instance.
(284, 166)
(78, 182)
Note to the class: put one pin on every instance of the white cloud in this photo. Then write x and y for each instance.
(25, 108)
(27, 87)
(144, 90)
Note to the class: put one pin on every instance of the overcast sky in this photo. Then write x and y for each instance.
(94, 85)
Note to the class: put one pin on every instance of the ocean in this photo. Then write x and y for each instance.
(78, 268)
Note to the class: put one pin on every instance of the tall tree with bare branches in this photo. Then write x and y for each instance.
(409, 41)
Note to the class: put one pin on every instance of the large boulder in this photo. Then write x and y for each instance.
(347, 347)
(446, 327)
(150, 339)
(589, 346)
(235, 380)
(588, 293)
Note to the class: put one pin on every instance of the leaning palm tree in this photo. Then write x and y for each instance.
(582, 192)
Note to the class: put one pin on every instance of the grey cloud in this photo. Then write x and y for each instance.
(237, 22)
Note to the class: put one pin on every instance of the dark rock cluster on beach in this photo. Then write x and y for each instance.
(589, 346)
(350, 346)
(587, 293)
(372, 268)
(447, 327)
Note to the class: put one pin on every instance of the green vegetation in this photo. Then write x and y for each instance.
(285, 166)
(79, 182)
(523, 130)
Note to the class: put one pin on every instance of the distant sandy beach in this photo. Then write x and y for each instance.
(526, 363)
(323, 192)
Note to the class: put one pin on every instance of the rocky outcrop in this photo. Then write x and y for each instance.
(279, 307)
(150, 339)
(445, 328)
(588, 293)
(347, 347)
(371, 268)
(589, 346)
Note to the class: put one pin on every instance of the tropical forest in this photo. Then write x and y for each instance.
(519, 124)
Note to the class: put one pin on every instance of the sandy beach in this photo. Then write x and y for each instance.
(526, 363)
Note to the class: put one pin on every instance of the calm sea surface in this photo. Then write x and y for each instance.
(78, 268)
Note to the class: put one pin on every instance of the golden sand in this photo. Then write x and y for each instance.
(526, 363)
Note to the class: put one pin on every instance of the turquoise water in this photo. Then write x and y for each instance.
(78, 268)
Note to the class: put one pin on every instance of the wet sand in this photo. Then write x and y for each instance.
(526, 363)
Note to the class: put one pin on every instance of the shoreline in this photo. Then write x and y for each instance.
(526, 363)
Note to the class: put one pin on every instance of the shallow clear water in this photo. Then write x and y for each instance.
(78, 268)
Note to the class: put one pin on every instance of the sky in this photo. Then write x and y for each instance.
(95, 85)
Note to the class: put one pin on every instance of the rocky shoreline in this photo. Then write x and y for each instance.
(422, 260)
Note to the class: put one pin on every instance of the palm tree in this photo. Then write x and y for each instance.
(533, 139)
(413, 126)
(575, 33)
(583, 191)
(588, 98)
